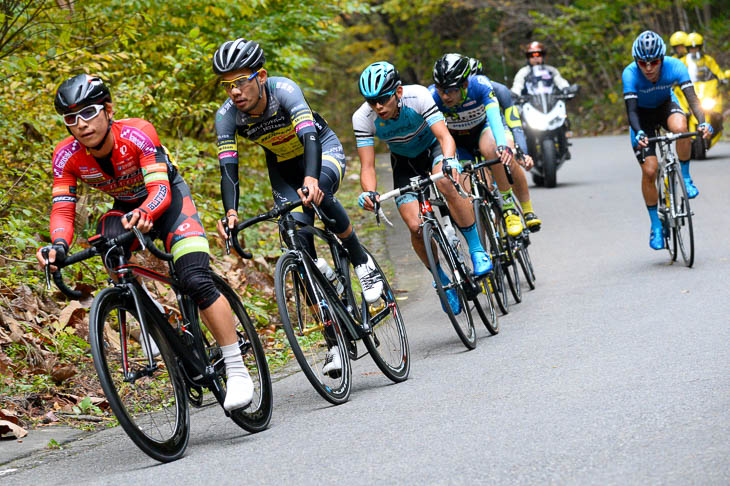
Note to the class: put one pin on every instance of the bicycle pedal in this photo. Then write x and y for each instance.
(195, 395)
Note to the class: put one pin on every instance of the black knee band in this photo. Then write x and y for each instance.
(194, 275)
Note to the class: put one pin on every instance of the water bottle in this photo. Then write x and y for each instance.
(329, 274)
(450, 233)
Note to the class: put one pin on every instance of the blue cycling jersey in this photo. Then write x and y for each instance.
(652, 95)
(479, 106)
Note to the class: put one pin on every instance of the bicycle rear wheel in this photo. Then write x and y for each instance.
(664, 203)
(312, 328)
(489, 238)
(439, 252)
(150, 402)
(509, 263)
(523, 257)
(255, 417)
(683, 230)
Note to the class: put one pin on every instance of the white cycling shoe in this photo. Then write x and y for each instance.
(370, 280)
(239, 392)
(332, 362)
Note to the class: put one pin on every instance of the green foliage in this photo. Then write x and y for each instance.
(86, 407)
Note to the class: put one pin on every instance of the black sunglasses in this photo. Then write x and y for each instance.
(382, 99)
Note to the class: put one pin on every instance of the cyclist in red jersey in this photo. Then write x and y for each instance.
(126, 160)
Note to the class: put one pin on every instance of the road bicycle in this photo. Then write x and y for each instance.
(474, 292)
(673, 204)
(151, 364)
(492, 230)
(319, 321)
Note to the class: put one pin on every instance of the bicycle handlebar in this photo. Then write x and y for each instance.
(670, 137)
(99, 245)
(274, 213)
(413, 186)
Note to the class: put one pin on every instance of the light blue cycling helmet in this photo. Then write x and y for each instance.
(378, 79)
(648, 46)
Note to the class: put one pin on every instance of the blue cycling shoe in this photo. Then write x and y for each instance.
(452, 297)
(482, 263)
(656, 238)
(692, 191)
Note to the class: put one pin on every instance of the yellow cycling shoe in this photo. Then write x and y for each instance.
(514, 224)
(533, 222)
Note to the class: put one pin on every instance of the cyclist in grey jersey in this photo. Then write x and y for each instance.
(301, 150)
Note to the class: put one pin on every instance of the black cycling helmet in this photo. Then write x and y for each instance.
(475, 66)
(451, 70)
(238, 54)
(80, 91)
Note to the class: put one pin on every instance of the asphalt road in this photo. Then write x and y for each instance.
(615, 370)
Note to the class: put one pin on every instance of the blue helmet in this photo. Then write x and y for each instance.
(648, 46)
(378, 79)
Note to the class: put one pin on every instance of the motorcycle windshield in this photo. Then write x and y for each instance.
(540, 88)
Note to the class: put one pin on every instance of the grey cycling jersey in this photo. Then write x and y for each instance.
(280, 130)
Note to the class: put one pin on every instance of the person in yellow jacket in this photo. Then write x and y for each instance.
(697, 57)
(678, 41)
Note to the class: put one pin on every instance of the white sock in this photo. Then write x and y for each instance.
(233, 360)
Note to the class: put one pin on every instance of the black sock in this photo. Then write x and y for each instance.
(353, 247)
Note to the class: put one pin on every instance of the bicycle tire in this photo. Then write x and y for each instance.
(388, 341)
(484, 301)
(433, 241)
(683, 229)
(308, 338)
(140, 411)
(509, 263)
(488, 236)
(523, 257)
(257, 416)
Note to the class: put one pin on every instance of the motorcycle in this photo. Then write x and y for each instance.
(545, 122)
(707, 87)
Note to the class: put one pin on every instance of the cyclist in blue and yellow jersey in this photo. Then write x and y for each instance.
(474, 118)
(650, 102)
(407, 119)
(125, 159)
(678, 41)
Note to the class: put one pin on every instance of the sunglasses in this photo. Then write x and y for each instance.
(652, 63)
(91, 111)
(535, 54)
(453, 89)
(382, 99)
(239, 82)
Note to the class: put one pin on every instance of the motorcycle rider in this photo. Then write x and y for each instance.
(535, 54)
(694, 45)
(678, 41)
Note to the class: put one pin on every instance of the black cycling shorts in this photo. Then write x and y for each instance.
(406, 167)
(649, 120)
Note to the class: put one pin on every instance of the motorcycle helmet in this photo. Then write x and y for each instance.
(679, 38)
(535, 49)
(694, 40)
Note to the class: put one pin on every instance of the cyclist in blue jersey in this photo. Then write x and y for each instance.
(475, 120)
(407, 119)
(650, 102)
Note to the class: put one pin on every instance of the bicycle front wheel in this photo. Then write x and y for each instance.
(523, 257)
(683, 229)
(450, 290)
(388, 342)
(255, 417)
(148, 399)
(312, 329)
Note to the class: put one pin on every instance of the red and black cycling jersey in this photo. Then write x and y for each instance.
(137, 171)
